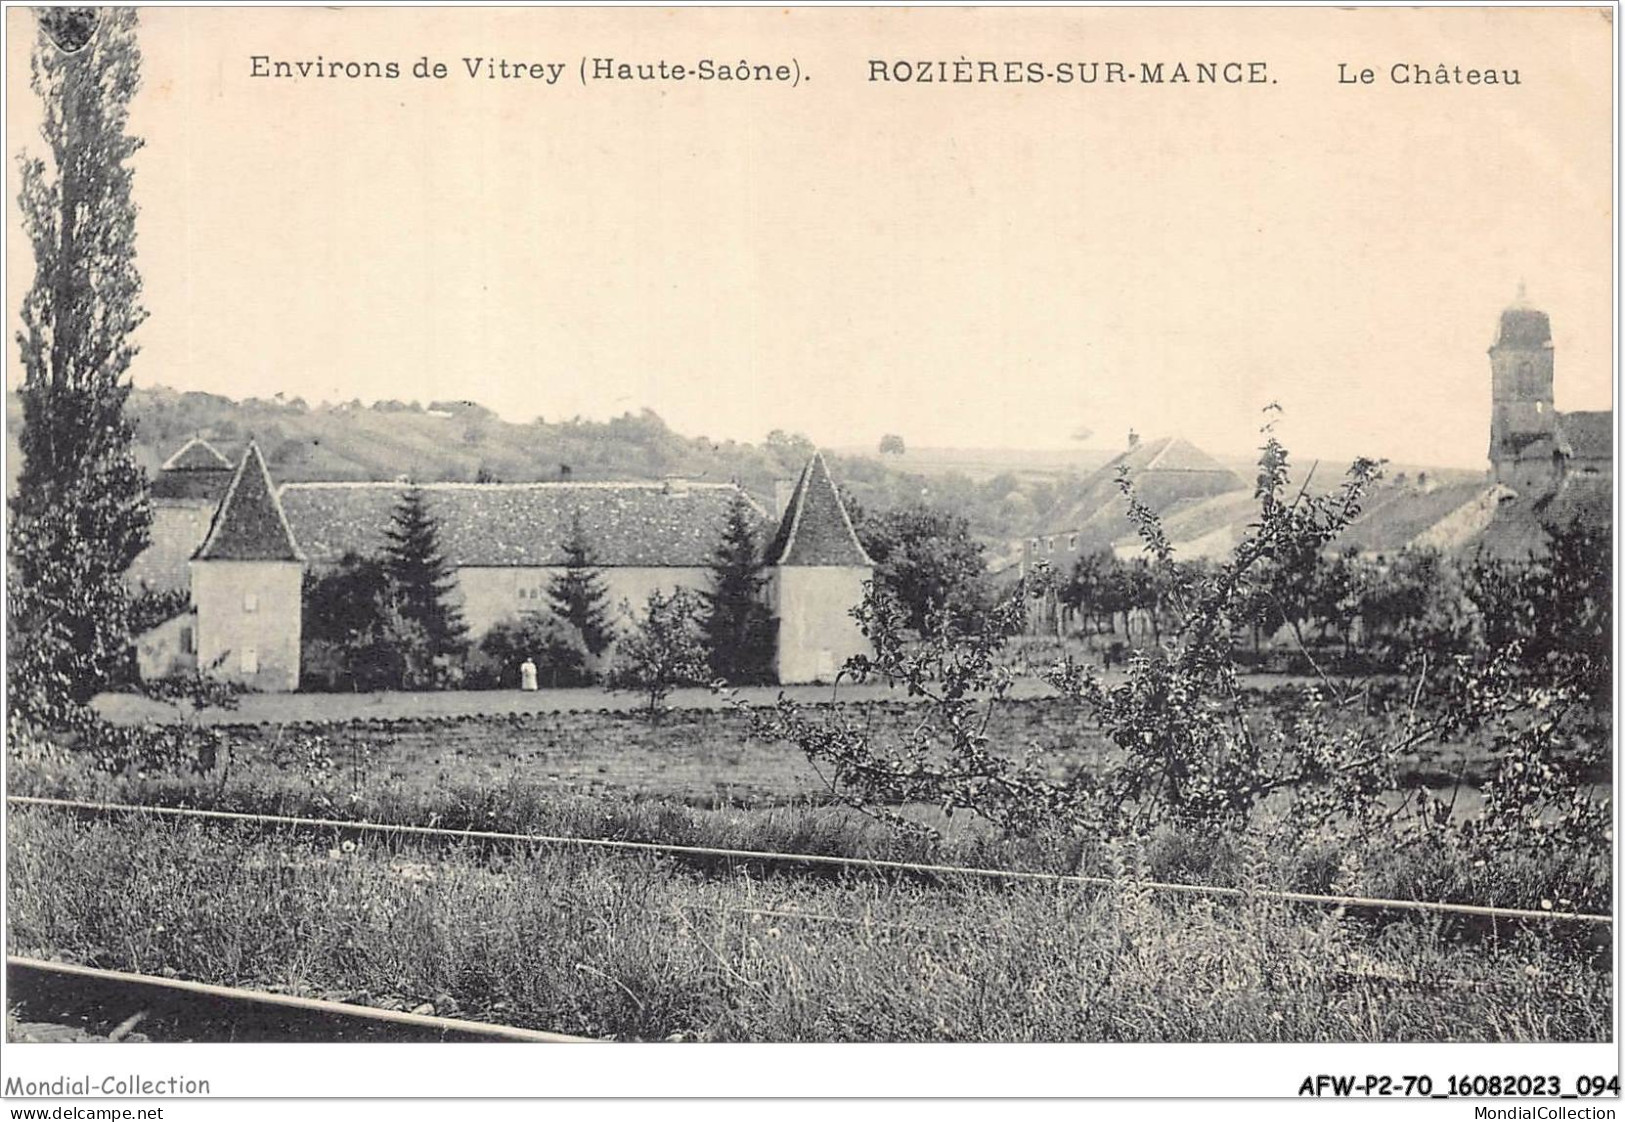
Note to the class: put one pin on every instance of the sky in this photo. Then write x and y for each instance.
(974, 265)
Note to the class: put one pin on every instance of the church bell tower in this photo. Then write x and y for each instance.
(1523, 422)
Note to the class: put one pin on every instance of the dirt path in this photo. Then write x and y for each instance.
(281, 708)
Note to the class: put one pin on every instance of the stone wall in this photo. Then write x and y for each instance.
(491, 595)
(177, 530)
(817, 633)
(248, 616)
(169, 649)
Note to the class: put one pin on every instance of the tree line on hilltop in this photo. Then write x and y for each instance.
(460, 441)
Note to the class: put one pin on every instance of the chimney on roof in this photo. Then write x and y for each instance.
(1133, 439)
(783, 489)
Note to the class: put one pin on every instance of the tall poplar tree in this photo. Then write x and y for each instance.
(81, 514)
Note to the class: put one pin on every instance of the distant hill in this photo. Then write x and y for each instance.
(1007, 496)
(443, 441)
(985, 463)
(451, 441)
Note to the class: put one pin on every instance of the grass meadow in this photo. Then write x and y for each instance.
(633, 946)
(638, 947)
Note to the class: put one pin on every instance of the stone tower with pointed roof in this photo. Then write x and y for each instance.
(246, 579)
(819, 569)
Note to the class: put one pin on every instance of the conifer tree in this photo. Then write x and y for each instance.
(738, 627)
(423, 580)
(81, 514)
(578, 594)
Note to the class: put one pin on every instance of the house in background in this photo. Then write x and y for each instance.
(504, 542)
(185, 494)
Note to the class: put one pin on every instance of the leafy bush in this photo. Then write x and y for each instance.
(1556, 609)
(663, 651)
(927, 562)
(358, 635)
(557, 649)
(150, 607)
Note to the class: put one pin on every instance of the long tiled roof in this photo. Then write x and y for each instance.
(249, 525)
(522, 524)
(816, 529)
(1165, 471)
(1518, 530)
(177, 530)
(1395, 515)
(1588, 436)
(1169, 454)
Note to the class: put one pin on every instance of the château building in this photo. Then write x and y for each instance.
(241, 545)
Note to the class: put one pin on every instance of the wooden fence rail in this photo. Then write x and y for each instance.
(822, 860)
